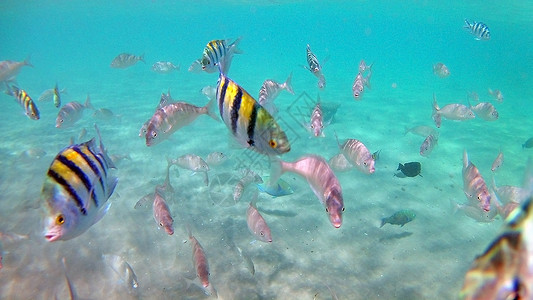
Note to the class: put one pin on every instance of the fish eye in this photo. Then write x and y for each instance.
(343, 209)
(327, 209)
(61, 121)
(262, 233)
(365, 163)
(154, 134)
(312, 126)
(160, 224)
(478, 197)
(273, 144)
(60, 220)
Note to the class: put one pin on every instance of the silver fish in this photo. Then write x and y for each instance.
(247, 260)
(123, 271)
(363, 67)
(48, 95)
(320, 178)
(9, 69)
(497, 94)
(358, 155)
(485, 111)
(316, 122)
(339, 163)
(76, 190)
(428, 145)
(441, 70)
(71, 112)
(454, 111)
(475, 213)
(248, 177)
(360, 82)
(104, 114)
(125, 60)
(257, 224)
(315, 68)
(164, 67)
(216, 158)
(474, 185)
(497, 162)
(269, 92)
(191, 162)
(479, 30)
(422, 131)
(162, 214)
(509, 193)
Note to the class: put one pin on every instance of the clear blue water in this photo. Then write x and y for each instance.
(73, 44)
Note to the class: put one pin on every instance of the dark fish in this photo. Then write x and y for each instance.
(528, 143)
(410, 169)
(401, 218)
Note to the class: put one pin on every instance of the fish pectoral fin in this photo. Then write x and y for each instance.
(101, 213)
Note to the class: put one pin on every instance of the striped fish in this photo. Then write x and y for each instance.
(251, 124)
(25, 101)
(57, 96)
(201, 266)
(76, 190)
(479, 30)
(218, 52)
(125, 60)
(315, 68)
(71, 112)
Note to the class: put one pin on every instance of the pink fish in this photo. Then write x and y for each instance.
(316, 122)
(497, 162)
(321, 179)
(257, 224)
(474, 185)
(71, 112)
(358, 155)
(427, 146)
(201, 266)
(162, 213)
(441, 70)
(485, 111)
(454, 111)
(269, 92)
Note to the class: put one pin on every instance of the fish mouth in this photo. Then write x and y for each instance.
(51, 237)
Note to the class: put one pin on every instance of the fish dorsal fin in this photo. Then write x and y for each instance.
(108, 160)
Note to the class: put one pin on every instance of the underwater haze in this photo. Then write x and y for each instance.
(72, 43)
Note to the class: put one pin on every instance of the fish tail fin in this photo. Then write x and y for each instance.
(454, 207)
(88, 102)
(234, 46)
(383, 222)
(288, 85)
(465, 159)
(211, 109)
(276, 170)
(107, 159)
(337, 138)
(467, 24)
(399, 167)
(141, 58)
(27, 62)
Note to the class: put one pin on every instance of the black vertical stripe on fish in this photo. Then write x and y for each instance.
(235, 110)
(222, 95)
(76, 170)
(93, 167)
(72, 192)
(251, 125)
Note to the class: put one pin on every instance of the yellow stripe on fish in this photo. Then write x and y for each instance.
(251, 125)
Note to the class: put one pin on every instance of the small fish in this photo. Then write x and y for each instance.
(375, 155)
(145, 201)
(104, 114)
(164, 67)
(201, 266)
(315, 68)
(359, 84)
(162, 214)
(248, 178)
(441, 70)
(123, 271)
(497, 162)
(497, 94)
(218, 54)
(401, 218)
(247, 260)
(49, 94)
(473, 96)
(429, 143)
(321, 180)
(250, 124)
(473, 212)
(9, 69)
(358, 155)
(24, 100)
(528, 144)
(339, 163)
(76, 190)
(509, 193)
(196, 66)
(316, 122)
(169, 117)
(454, 111)
(257, 224)
(216, 158)
(423, 131)
(71, 112)
(363, 67)
(125, 60)
(269, 92)
(57, 97)
(485, 111)
(410, 169)
(191, 162)
(479, 30)
(474, 185)
(279, 189)
(1, 254)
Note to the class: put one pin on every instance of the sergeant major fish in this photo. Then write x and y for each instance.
(71, 112)
(479, 30)
(76, 190)
(321, 180)
(25, 101)
(474, 185)
(125, 60)
(218, 55)
(250, 124)
(315, 68)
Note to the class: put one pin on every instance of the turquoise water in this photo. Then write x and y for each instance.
(73, 44)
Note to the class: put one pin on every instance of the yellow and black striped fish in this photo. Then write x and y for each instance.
(57, 97)
(251, 125)
(76, 190)
(218, 53)
(25, 101)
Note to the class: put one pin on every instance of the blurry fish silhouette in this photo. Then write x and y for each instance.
(401, 218)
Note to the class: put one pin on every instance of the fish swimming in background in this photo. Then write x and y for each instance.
(162, 215)
(410, 169)
(485, 111)
(71, 112)
(363, 67)
(278, 189)
(479, 30)
(269, 92)
(472, 96)
(49, 94)
(454, 111)
(248, 178)
(321, 180)
(360, 82)
(509, 193)
(216, 158)
(57, 96)
(125, 60)
(104, 114)
(315, 68)
(528, 143)
(123, 271)
(191, 162)
(250, 124)
(316, 122)
(428, 145)
(9, 69)
(76, 190)
(441, 70)
(422, 131)
(497, 94)
(358, 155)
(201, 266)
(474, 185)
(497, 162)
(473, 212)
(339, 163)
(169, 117)
(401, 218)
(218, 55)
(164, 67)
(24, 100)
(257, 224)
